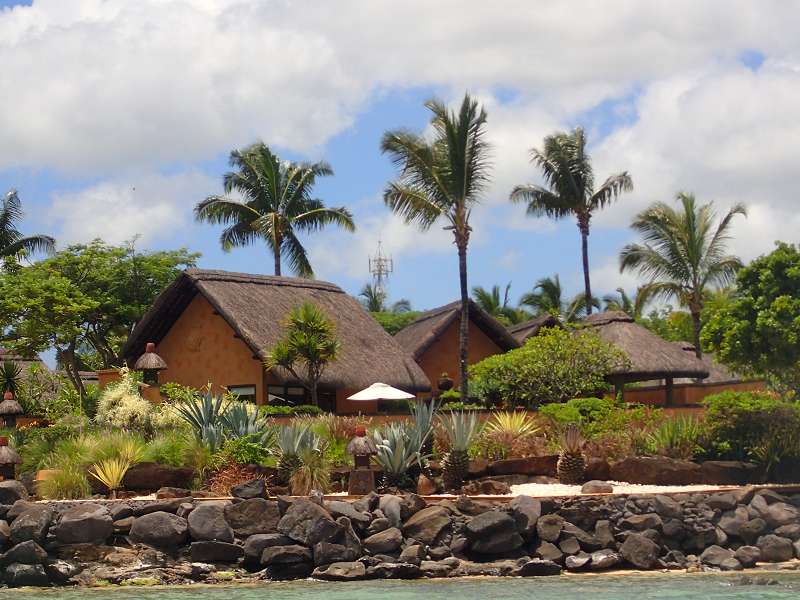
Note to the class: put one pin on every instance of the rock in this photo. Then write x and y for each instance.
(730, 472)
(748, 556)
(387, 570)
(569, 546)
(796, 546)
(207, 523)
(348, 537)
(548, 551)
(667, 507)
(714, 555)
(148, 476)
(436, 568)
(27, 553)
(493, 532)
(722, 502)
(640, 551)
(283, 555)
(730, 564)
(169, 493)
(781, 513)
(604, 559)
(549, 527)
(16, 509)
(526, 512)
(168, 506)
(32, 525)
(604, 534)
(598, 469)
(390, 506)
(537, 568)
(413, 554)
(656, 470)
(587, 541)
(791, 531)
(775, 549)
(21, 575)
(597, 487)
(11, 491)
(367, 503)
(486, 487)
(185, 509)
(123, 526)
(215, 551)
(253, 516)
(255, 488)
(426, 525)
(642, 522)
(383, 542)
(439, 553)
(379, 524)
(298, 570)
(731, 521)
(578, 562)
(120, 511)
(5, 534)
(160, 529)
(752, 530)
(326, 553)
(61, 571)
(255, 545)
(532, 465)
(478, 467)
(85, 524)
(341, 571)
(337, 508)
(426, 486)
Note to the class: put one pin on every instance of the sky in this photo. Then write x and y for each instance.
(117, 117)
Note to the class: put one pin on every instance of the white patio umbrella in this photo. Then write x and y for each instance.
(381, 391)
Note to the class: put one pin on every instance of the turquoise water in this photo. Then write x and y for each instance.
(605, 587)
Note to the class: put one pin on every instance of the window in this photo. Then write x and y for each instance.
(290, 395)
(245, 393)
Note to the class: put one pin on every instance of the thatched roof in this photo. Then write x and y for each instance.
(651, 356)
(24, 362)
(9, 456)
(524, 331)
(418, 336)
(11, 407)
(256, 306)
(150, 361)
(717, 373)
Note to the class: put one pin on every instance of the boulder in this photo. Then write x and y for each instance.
(486, 487)
(722, 502)
(569, 545)
(493, 532)
(341, 571)
(169, 493)
(604, 559)
(61, 571)
(426, 486)
(413, 554)
(598, 469)
(642, 522)
(120, 511)
(255, 488)
(531, 465)
(750, 531)
(548, 551)
(656, 470)
(337, 508)
(730, 564)
(715, 555)
(384, 542)
(537, 568)
(781, 513)
(436, 568)
(597, 487)
(731, 521)
(255, 545)
(526, 512)
(148, 476)
(22, 575)
(160, 529)
(283, 555)
(32, 524)
(85, 524)
(207, 523)
(326, 553)
(123, 526)
(212, 551)
(426, 525)
(748, 556)
(390, 507)
(478, 467)
(253, 516)
(308, 523)
(549, 527)
(171, 505)
(667, 507)
(577, 562)
(731, 472)
(604, 534)
(27, 553)
(16, 509)
(640, 551)
(587, 541)
(775, 549)
(5, 534)
(11, 491)
(791, 531)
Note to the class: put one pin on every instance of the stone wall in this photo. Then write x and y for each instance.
(183, 540)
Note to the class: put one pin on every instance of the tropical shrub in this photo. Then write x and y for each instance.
(246, 450)
(169, 448)
(110, 473)
(121, 407)
(300, 409)
(676, 437)
(394, 322)
(314, 472)
(509, 434)
(69, 482)
(551, 367)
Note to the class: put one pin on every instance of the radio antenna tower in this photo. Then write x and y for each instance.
(380, 267)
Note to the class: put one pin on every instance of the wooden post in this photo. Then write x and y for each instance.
(670, 391)
(619, 390)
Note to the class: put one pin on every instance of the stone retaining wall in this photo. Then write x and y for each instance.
(252, 537)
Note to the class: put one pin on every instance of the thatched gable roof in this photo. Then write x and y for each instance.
(419, 335)
(24, 362)
(651, 356)
(717, 373)
(524, 331)
(256, 306)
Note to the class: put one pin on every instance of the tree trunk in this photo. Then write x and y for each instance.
(277, 253)
(70, 363)
(697, 325)
(463, 338)
(276, 245)
(583, 225)
(314, 394)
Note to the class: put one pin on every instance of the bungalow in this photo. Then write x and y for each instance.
(432, 339)
(522, 332)
(217, 326)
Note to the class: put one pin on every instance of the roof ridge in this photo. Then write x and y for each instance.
(258, 279)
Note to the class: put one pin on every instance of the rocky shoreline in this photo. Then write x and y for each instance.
(182, 540)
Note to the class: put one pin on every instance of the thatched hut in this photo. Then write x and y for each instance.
(219, 326)
(651, 357)
(522, 332)
(433, 339)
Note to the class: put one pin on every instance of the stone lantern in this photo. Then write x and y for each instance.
(445, 383)
(362, 477)
(150, 364)
(9, 459)
(9, 410)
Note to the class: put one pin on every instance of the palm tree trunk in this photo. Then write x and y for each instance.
(583, 225)
(277, 263)
(463, 338)
(697, 326)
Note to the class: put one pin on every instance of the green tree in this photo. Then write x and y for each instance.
(309, 346)
(394, 322)
(757, 332)
(276, 204)
(547, 297)
(12, 241)
(630, 305)
(671, 325)
(569, 177)
(442, 179)
(683, 254)
(499, 306)
(374, 300)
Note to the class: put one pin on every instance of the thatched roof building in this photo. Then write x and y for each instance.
(522, 332)
(651, 357)
(717, 373)
(210, 322)
(23, 362)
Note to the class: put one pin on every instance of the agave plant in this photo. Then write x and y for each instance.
(398, 453)
(461, 429)
(421, 430)
(110, 473)
(10, 374)
(290, 442)
(241, 419)
(206, 417)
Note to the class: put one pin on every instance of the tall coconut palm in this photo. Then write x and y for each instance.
(568, 174)
(498, 305)
(12, 242)
(442, 179)
(683, 255)
(276, 204)
(548, 297)
(373, 299)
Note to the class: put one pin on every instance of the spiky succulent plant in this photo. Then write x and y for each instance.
(461, 429)
(571, 466)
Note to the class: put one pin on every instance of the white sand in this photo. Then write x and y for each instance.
(559, 489)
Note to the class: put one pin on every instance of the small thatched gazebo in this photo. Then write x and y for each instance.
(651, 357)
(9, 410)
(9, 459)
(150, 364)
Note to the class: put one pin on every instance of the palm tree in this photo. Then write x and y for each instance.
(633, 306)
(683, 254)
(12, 242)
(276, 204)
(569, 177)
(499, 308)
(547, 297)
(443, 179)
(374, 300)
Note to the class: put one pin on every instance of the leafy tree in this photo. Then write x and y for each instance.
(374, 300)
(671, 325)
(394, 322)
(683, 254)
(758, 331)
(547, 297)
(12, 241)
(630, 305)
(277, 204)
(569, 177)
(554, 366)
(499, 308)
(442, 180)
(309, 346)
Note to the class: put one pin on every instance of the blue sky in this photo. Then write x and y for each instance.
(117, 121)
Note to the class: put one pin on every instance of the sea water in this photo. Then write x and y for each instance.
(588, 587)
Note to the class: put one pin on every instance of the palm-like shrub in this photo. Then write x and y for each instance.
(677, 437)
(314, 471)
(290, 442)
(508, 434)
(110, 473)
(461, 428)
(398, 453)
(10, 373)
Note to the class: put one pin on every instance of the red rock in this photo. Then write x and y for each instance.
(530, 465)
(656, 470)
